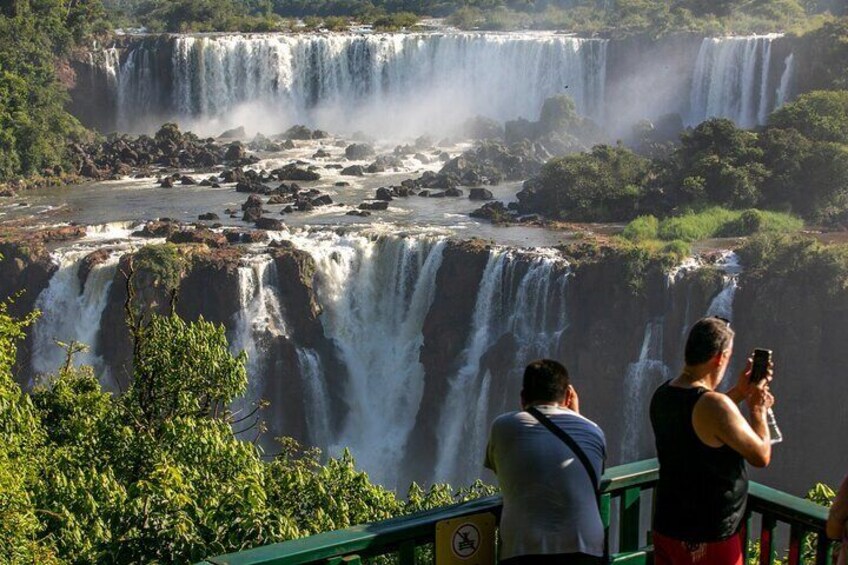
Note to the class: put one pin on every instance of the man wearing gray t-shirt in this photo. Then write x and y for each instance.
(550, 510)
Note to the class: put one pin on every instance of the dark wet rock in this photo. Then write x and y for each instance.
(360, 213)
(374, 168)
(359, 151)
(206, 182)
(437, 194)
(166, 182)
(187, 181)
(293, 172)
(422, 158)
(493, 211)
(158, 228)
(235, 152)
(374, 205)
(253, 202)
(353, 171)
(321, 154)
(88, 264)
(279, 199)
(322, 200)
(296, 132)
(252, 215)
(235, 133)
(385, 193)
(480, 194)
(253, 186)
(320, 134)
(304, 205)
(288, 144)
(209, 216)
(453, 192)
(341, 183)
(287, 210)
(233, 175)
(235, 236)
(262, 143)
(201, 236)
(424, 194)
(272, 224)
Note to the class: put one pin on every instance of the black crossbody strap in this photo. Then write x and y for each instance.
(569, 441)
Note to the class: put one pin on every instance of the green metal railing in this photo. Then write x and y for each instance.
(621, 511)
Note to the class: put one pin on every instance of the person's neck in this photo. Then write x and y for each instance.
(695, 377)
(550, 404)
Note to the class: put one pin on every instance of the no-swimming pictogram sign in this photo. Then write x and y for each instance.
(469, 540)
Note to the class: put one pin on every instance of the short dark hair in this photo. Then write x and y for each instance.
(545, 380)
(707, 338)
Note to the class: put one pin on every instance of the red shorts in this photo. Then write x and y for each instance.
(669, 551)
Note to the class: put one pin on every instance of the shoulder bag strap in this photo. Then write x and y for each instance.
(569, 441)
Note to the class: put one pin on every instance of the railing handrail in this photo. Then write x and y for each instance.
(370, 538)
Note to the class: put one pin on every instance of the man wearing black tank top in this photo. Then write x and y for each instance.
(703, 442)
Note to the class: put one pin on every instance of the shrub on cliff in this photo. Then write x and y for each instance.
(819, 116)
(603, 185)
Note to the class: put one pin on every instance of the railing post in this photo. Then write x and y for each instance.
(406, 553)
(605, 519)
(796, 543)
(629, 520)
(822, 549)
(767, 552)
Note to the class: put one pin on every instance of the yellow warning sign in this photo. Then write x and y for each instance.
(469, 540)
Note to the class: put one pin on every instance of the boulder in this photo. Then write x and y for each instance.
(232, 175)
(359, 151)
(245, 236)
(158, 228)
(279, 199)
(293, 172)
(252, 215)
(202, 236)
(480, 194)
(253, 186)
(492, 211)
(453, 192)
(272, 224)
(235, 133)
(341, 183)
(297, 132)
(360, 213)
(166, 182)
(304, 205)
(235, 152)
(322, 200)
(209, 216)
(374, 205)
(354, 171)
(385, 193)
(187, 181)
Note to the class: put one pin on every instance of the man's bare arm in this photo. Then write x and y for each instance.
(718, 421)
(838, 513)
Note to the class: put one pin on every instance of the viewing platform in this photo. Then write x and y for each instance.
(772, 516)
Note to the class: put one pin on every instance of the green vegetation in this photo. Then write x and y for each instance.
(34, 126)
(158, 473)
(797, 165)
(709, 223)
(655, 17)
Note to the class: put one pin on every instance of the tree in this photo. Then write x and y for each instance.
(819, 115)
(602, 185)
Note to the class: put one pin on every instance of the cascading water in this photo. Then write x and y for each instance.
(642, 378)
(375, 292)
(71, 312)
(722, 304)
(733, 79)
(375, 82)
(528, 305)
(259, 317)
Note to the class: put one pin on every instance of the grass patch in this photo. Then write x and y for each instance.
(709, 223)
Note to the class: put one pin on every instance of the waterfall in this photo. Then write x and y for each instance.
(528, 305)
(374, 82)
(316, 396)
(375, 292)
(640, 381)
(71, 312)
(733, 79)
(784, 91)
(722, 303)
